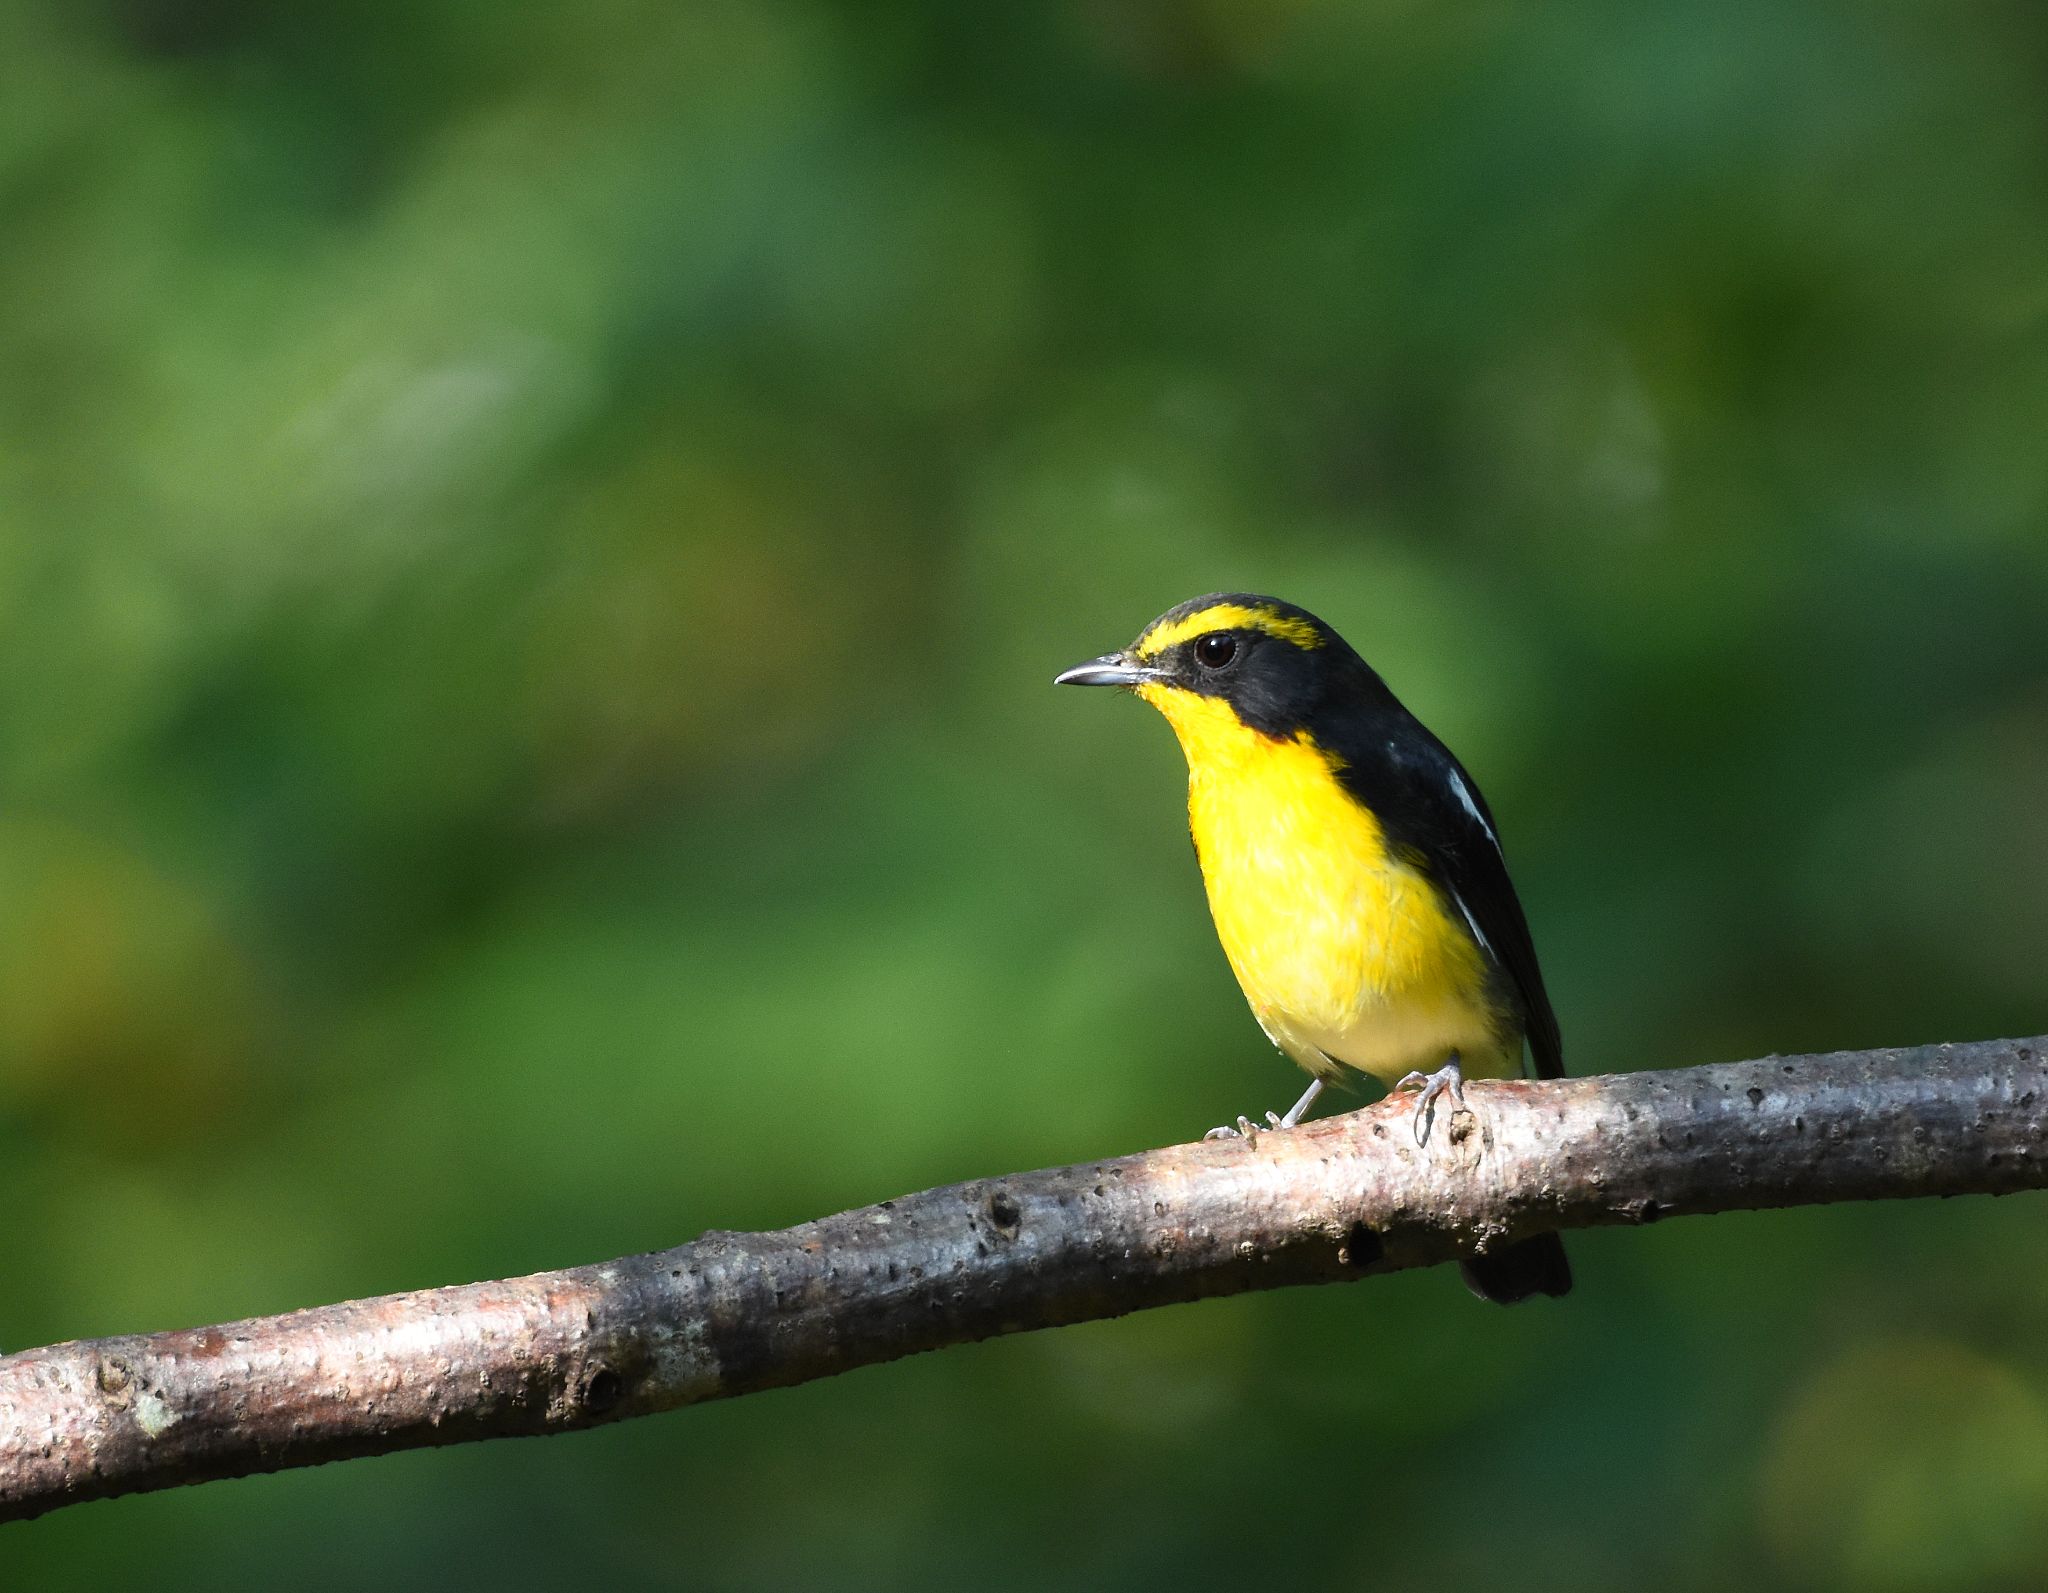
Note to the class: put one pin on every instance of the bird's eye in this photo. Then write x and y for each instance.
(1215, 650)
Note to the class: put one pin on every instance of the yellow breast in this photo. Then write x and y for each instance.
(1346, 953)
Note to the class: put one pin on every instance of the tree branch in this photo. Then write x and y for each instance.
(733, 1312)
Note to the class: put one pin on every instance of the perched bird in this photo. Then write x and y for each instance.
(1353, 871)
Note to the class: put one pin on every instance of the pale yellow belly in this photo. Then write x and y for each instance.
(1346, 954)
(1361, 977)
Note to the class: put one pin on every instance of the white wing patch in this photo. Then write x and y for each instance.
(1472, 924)
(1463, 792)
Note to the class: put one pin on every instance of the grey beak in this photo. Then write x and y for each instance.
(1111, 669)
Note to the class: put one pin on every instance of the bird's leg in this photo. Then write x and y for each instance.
(1299, 1109)
(1249, 1131)
(1446, 1080)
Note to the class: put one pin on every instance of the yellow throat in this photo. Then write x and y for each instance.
(1349, 956)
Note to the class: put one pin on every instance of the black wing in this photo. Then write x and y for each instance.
(1432, 811)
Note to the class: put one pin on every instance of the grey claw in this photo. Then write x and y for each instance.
(1446, 1080)
(1223, 1132)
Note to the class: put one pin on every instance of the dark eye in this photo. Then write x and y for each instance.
(1215, 650)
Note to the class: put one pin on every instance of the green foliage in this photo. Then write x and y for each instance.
(533, 545)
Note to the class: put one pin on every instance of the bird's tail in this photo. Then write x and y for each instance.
(1520, 1270)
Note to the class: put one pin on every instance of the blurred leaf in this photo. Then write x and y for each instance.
(1911, 1464)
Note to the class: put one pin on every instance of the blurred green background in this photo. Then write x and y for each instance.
(533, 545)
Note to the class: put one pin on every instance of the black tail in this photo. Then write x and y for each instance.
(1528, 1267)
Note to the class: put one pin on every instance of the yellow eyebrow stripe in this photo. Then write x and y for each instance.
(1228, 617)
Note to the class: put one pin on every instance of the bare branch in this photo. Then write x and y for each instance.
(735, 1312)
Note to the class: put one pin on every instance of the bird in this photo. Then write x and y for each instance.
(1353, 870)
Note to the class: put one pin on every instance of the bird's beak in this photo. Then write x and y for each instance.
(1111, 669)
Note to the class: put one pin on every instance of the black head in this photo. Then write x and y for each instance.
(1275, 664)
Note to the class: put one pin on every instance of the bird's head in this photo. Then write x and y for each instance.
(1230, 660)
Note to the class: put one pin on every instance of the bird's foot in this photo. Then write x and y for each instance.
(1249, 1132)
(1446, 1080)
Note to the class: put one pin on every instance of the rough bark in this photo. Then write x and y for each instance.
(730, 1313)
